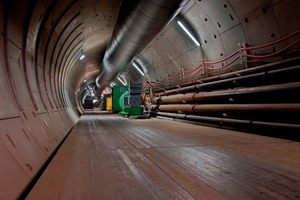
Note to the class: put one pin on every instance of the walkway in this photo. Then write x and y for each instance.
(110, 157)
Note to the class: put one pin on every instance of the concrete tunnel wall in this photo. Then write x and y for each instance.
(36, 112)
(32, 121)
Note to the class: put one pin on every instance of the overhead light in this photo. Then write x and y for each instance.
(84, 80)
(138, 69)
(121, 81)
(189, 34)
(82, 57)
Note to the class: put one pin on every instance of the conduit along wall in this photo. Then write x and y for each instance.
(263, 97)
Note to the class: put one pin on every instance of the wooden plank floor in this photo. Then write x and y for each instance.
(110, 157)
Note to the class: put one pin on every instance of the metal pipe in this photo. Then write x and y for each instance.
(133, 31)
(231, 108)
(217, 83)
(232, 74)
(230, 121)
(226, 94)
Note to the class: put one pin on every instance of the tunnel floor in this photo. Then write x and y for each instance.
(106, 156)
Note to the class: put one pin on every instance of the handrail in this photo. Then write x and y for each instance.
(195, 71)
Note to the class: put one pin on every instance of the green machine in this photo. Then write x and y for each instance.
(117, 92)
(131, 101)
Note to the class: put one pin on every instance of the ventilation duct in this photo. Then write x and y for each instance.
(135, 28)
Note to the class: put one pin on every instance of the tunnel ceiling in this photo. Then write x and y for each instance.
(78, 28)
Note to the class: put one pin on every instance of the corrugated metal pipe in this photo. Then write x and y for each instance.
(137, 24)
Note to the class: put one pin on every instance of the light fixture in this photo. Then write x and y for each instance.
(138, 69)
(82, 54)
(189, 34)
(121, 81)
(84, 80)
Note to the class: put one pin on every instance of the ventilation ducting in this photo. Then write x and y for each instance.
(135, 28)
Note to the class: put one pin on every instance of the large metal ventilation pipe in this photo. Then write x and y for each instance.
(137, 24)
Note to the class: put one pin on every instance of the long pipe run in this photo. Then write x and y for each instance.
(227, 81)
(134, 30)
(231, 108)
(225, 95)
(229, 121)
(232, 74)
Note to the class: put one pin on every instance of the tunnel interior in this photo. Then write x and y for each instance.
(221, 63)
